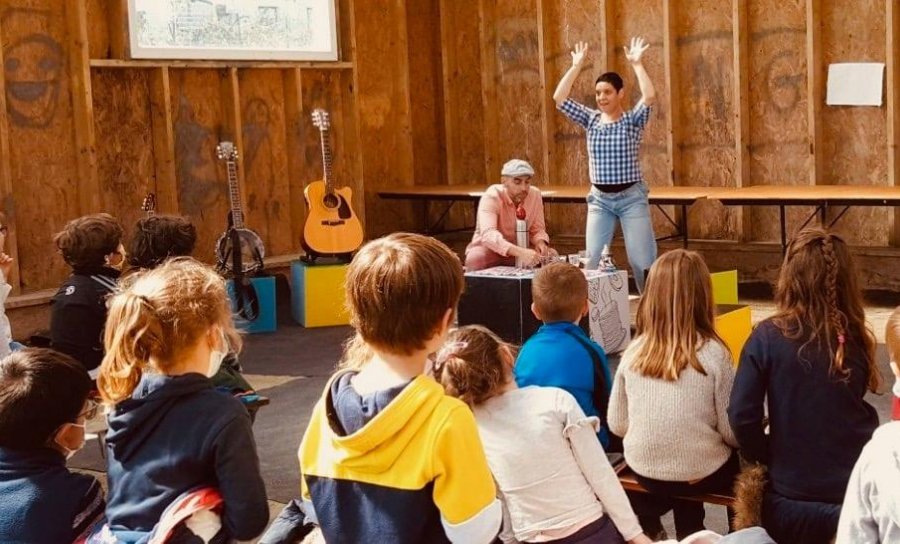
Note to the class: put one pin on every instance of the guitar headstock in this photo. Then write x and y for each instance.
(148, 206)
(227, 151)
(320, 119)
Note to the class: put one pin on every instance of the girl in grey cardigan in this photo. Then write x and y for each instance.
(670, 396)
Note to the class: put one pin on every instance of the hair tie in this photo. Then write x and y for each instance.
(841, 339)
(448, 351)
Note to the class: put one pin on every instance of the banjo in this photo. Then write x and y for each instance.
(239, 249)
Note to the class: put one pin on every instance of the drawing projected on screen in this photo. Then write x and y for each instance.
(233, 29)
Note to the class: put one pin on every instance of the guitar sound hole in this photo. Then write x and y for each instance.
(331, 201)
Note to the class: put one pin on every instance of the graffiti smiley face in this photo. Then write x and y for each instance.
(33, 68)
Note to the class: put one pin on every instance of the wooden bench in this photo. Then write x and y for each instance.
(629, 481)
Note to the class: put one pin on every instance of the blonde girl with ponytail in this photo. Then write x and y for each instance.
(808, 367)
(170, 431)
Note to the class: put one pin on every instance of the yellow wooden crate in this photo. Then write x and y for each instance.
(317, 294)
(725, 287)
(733, 324)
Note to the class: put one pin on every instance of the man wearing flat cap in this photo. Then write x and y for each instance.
(494, 241)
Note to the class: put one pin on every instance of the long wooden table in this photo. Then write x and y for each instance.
(821, 197)
(659, 196)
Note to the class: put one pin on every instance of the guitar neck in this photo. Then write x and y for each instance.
(234, 193)
(324, 136)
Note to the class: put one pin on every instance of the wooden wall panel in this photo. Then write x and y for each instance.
(644, 18)
(98, 12)
(264, 159)
(198, 123)
(705, 58)
(854, 137)
(462, 108)
(425, 91)
(382, 83)
(573, 22)
(125, 161)
(41, 127)
(518, 86)
(779, 141)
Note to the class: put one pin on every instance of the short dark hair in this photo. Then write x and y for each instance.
(40, 390)
(613, 79)
(87, 240)
(159, 237)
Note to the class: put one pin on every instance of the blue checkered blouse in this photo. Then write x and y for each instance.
(612, 148)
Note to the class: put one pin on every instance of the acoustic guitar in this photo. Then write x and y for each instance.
(332, 228)
(239, 250)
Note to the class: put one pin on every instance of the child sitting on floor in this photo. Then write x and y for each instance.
(170, 431)
(555, 480)
(387, 456)
(92, 246)
(670, 396)
(160, 237)
(808, 367)
(44, 404)
(560, 354)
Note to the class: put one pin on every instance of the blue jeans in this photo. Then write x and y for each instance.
(632, 209)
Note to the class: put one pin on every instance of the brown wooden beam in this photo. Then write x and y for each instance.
(742, 174)
(163, 141)
(815, 89)
(673, 137)
(7, 201)
(892, 52)
(82, 106)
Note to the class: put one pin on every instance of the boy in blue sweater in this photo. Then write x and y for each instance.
(560, 354)
(43, 408)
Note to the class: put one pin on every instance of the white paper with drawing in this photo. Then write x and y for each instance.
(855, 84)
(233, 29)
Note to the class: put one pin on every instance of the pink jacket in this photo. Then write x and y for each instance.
(495, 226)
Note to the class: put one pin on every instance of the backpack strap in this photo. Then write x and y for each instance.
(600, 396)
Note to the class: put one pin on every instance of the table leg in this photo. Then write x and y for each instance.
(783, 230)
(425, 223)
(684, 226)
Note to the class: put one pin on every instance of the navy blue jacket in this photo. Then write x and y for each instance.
(78, 314)
(41, 502)
(173, 435)
(818, 423)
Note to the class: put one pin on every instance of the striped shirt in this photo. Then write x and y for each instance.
(612, 147)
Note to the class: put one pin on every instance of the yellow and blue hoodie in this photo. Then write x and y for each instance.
(400, 465)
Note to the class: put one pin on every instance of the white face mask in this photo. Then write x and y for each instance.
(215, 359)
(66, 451)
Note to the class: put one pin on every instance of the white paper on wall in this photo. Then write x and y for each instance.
(855, 84)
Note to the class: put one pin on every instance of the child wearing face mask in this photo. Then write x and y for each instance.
(44, 403)
(170, 431)
(92, 246)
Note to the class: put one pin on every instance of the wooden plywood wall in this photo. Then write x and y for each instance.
(85, 129)
(741, 86)
(436, 91)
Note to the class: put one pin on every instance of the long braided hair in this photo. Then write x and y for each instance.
(818, 299)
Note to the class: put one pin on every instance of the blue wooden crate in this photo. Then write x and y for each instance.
(266, 320)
